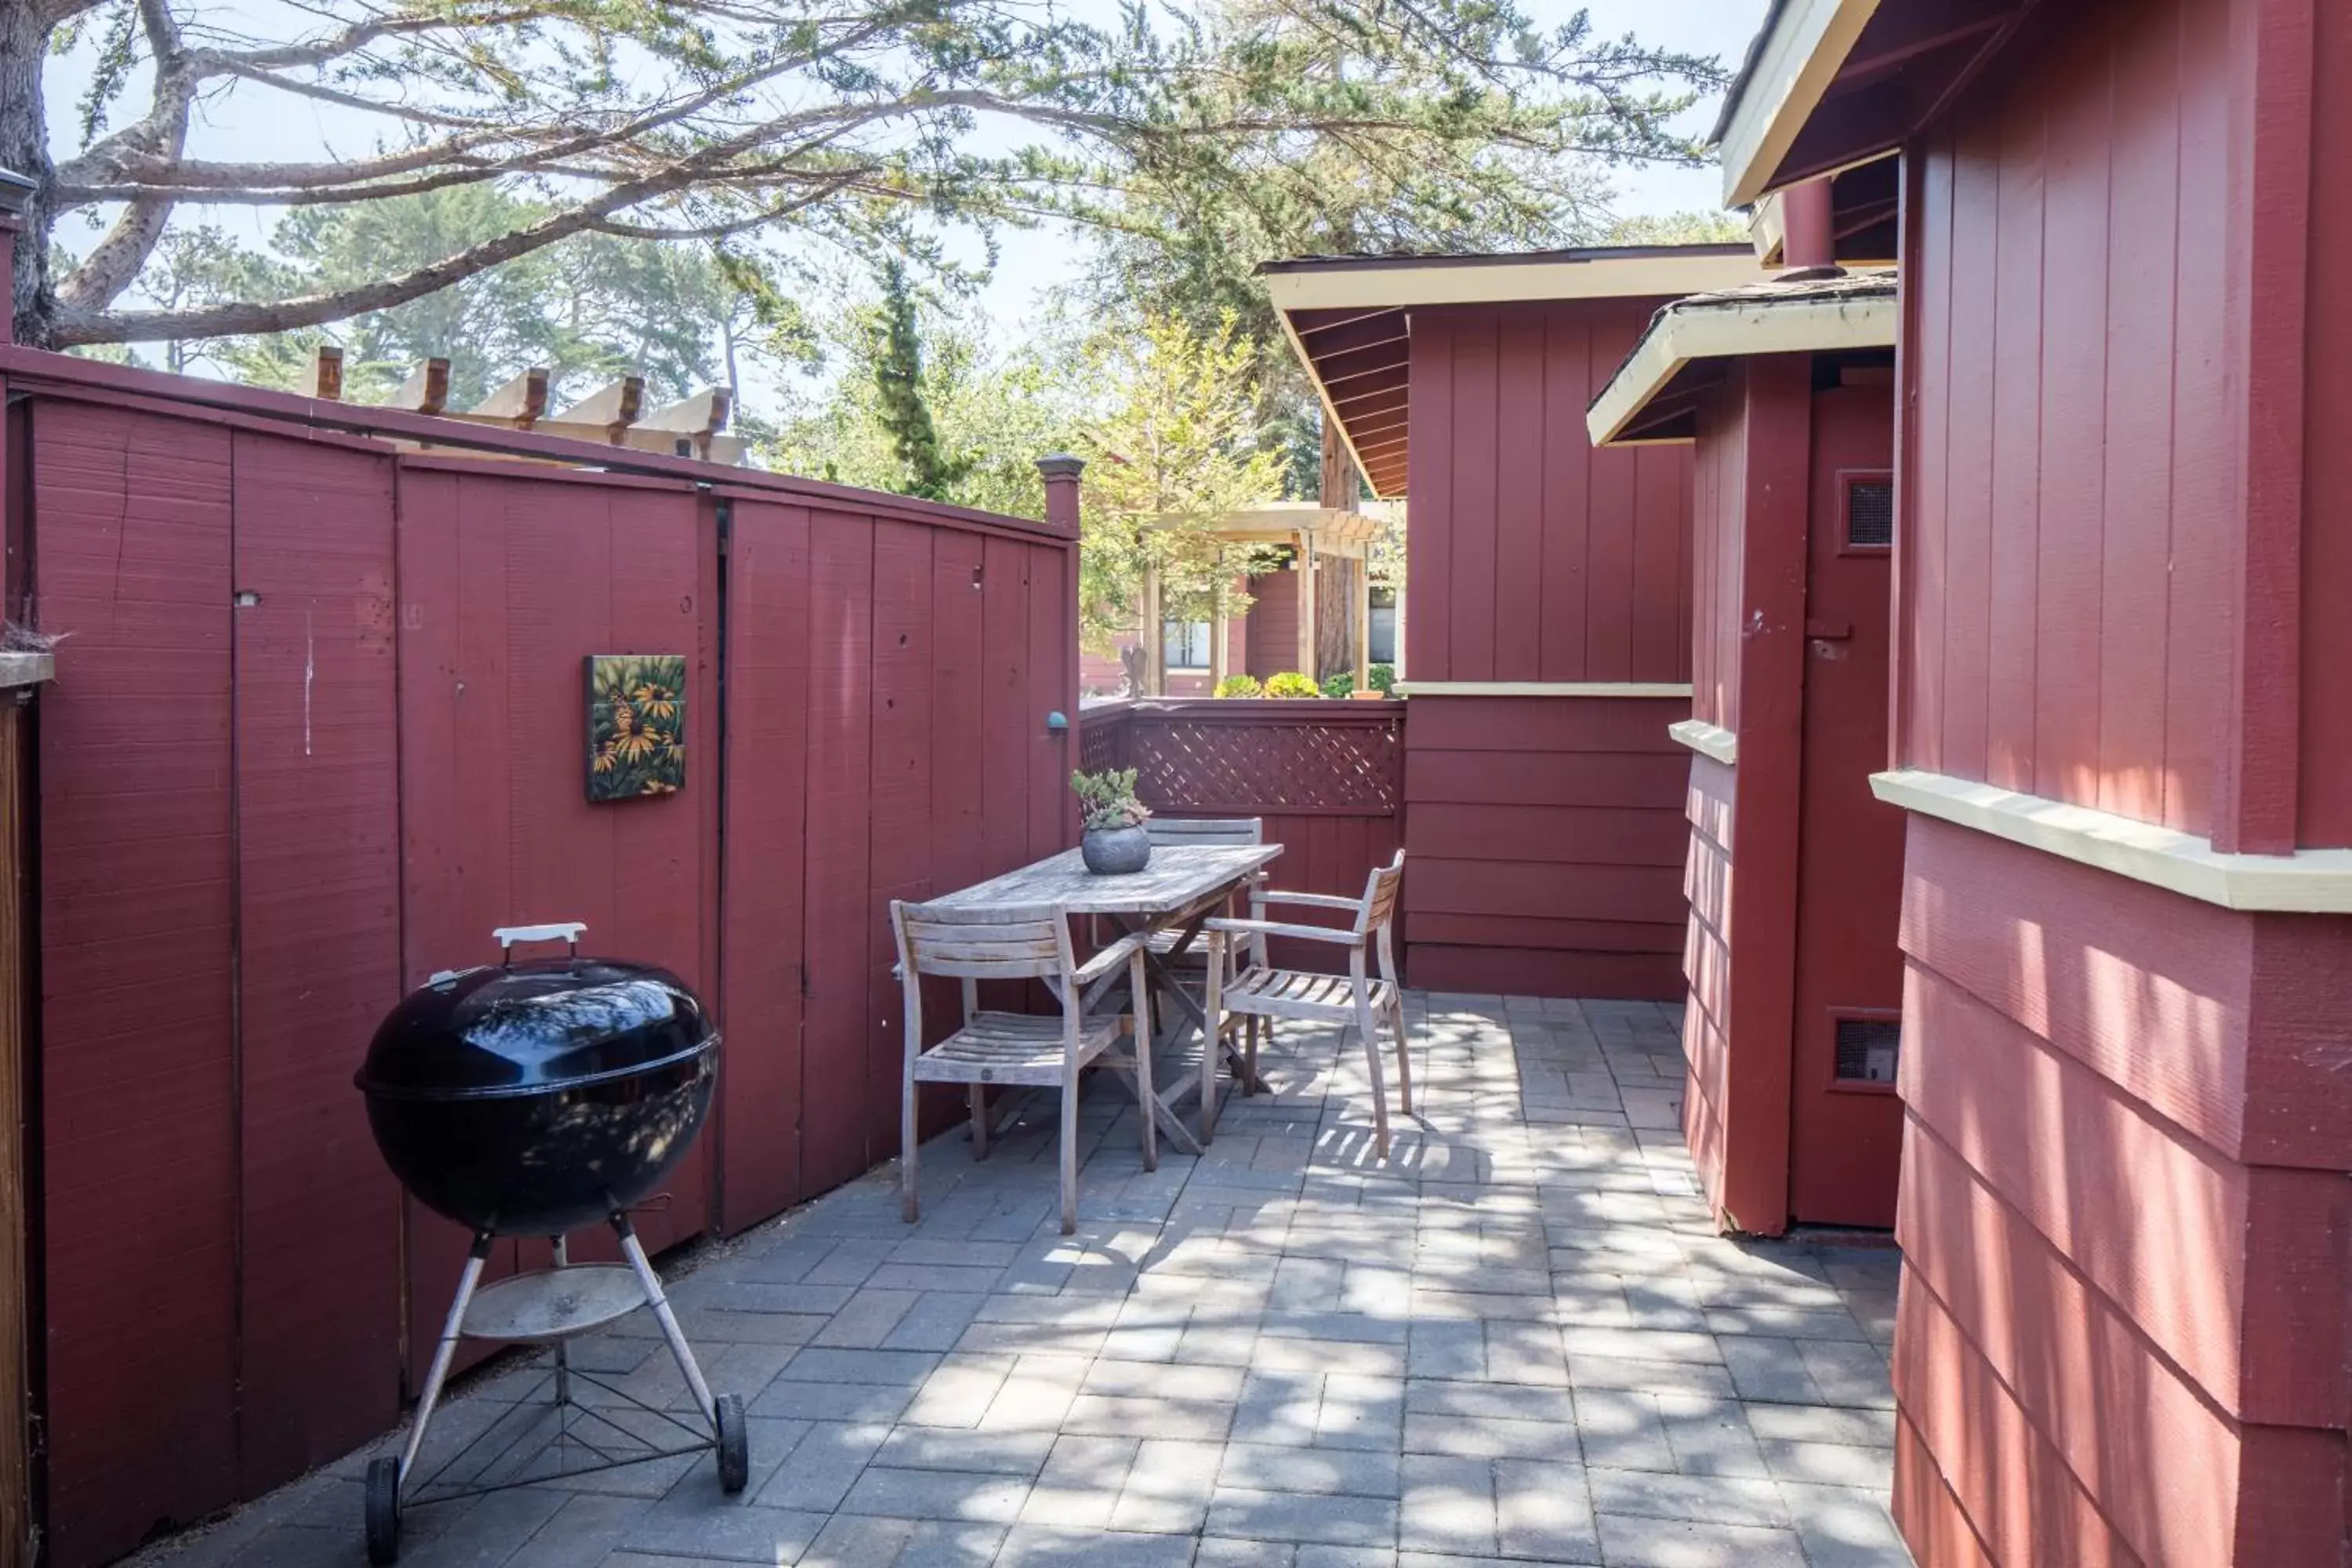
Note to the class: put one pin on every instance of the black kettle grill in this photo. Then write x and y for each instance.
(531, 1098)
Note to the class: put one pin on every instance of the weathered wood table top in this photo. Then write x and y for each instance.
(1178, 879)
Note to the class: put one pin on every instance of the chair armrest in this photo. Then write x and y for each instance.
(1277, 928)
(1319, 900)
(1111, 957)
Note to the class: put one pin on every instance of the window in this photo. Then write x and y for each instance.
(1870, 512)
(1868, 1049)
(1382, 633)
(1186, 645)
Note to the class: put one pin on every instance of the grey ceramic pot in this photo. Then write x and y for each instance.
(1116, 851)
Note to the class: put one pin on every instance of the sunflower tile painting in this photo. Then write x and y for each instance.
(636, 725)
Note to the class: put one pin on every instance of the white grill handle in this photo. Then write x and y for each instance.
(563, 930)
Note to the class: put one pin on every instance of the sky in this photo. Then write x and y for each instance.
(1034, 265)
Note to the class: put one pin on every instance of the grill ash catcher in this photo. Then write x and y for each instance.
(529, 1099)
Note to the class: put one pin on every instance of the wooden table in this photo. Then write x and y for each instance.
(1182, 887)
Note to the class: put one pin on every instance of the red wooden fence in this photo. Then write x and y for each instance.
(1327, 778)
(316, 728)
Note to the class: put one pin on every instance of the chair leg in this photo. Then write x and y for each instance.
(1365, 1027)
(1213, 1029)
(910, 1176)
(1249, 1053)
(1146, 1104)
(1069, 1152)
(977, 1098)
(1404, 1058)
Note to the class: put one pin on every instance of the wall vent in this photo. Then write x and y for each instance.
(1870, 514)
(1868, 1049)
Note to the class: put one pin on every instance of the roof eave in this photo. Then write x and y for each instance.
(1688, 331)
(1794, 60)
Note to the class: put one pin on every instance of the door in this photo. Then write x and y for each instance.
(1846, 1141)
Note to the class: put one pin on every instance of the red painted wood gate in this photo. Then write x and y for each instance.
(316, 730)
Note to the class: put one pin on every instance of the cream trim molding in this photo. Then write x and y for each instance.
(2309, 881)
(27, 669)
(1795, 62)
(1349, 284)
(1542, 688)
(1708, 739)
(1716, 328)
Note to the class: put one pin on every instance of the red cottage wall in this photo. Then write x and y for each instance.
(1544, 834)
(1271, 627)
(2122, 1335)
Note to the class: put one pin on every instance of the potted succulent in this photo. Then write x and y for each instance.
(1116, 842)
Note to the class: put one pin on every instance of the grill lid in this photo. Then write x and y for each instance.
(533, 1027)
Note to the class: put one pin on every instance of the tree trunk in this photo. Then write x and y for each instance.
(25, 150)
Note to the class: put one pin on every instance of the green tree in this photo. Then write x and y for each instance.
(590, 308)
(1680, 229)
(897, 355)
(1177, 448)
(993, 413)
(849, 124)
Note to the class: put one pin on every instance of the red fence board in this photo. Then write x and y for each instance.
(137, 914)
(318, 949)
(761, 913)
(841, 720)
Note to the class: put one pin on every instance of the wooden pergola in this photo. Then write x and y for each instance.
(613, 415)
(1332, 546)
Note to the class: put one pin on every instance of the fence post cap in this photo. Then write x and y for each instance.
(16, 193)
(1061, 466)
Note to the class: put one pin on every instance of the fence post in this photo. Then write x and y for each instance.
(1060, 471)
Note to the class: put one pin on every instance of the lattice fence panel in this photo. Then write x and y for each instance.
(1102, 740)
(1311, 766)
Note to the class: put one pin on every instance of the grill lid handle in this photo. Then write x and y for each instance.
(563, 930)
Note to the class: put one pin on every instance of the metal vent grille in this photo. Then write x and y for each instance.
(1867, 1049)
(1870, 513)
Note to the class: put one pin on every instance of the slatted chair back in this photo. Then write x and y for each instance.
(982, 944)
(1207, 830)
(1381, 897)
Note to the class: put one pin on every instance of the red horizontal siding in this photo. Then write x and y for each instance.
(2163, 1317)
(1546, 843)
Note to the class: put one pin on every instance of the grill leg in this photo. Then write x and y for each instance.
(651, 1284)
(562, 1366)
(452, 1331)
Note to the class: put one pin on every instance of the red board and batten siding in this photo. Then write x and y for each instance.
(316, 730)
(1545, 833)
(2122, 1334)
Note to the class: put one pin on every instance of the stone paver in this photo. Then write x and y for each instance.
(1517, 1342)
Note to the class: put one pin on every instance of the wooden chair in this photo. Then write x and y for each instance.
(1354, 998)
(1044, 1051)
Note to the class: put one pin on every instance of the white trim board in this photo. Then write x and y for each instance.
(1795, 64)
(1695, 330)
(1710, 741)
(2309, 881)
(1653, 689)
(1352, 285)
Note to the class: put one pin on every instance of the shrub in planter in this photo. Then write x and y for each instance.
(1341, 685)
(1240, 686)
(1115, 841)
(1382, 677)
(1290, 683)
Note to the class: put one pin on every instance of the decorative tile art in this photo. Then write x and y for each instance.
(636, 725)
